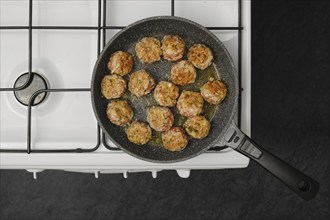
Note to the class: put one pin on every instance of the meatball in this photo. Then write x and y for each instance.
(172, 47)
(174, 139)
(160, 118)
(214, 92)
(197, 126)
(183, 73)
(200, 56)
(120, 63)
(166, 93)
(148, 50)
(113, 86)
(138, 133)
(190, 103)
(141, 83)
(119, 112)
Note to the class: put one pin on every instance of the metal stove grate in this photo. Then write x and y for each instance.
(101, 17)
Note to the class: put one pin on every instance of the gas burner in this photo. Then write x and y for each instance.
(36, 83)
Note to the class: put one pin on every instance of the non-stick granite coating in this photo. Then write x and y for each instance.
(157, 27)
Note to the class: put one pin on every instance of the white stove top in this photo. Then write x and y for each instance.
(66, 58)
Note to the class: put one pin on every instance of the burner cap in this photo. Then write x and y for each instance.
(37, 83)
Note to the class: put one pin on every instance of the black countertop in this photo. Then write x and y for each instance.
(290, 117)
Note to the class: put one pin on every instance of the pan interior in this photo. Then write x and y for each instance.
(222, 68)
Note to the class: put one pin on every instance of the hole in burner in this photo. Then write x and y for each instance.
(37, 83)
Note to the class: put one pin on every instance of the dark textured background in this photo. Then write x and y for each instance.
(290, 117)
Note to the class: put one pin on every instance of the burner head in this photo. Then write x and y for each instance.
(36, 83)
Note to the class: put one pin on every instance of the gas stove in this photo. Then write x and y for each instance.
(50, 47)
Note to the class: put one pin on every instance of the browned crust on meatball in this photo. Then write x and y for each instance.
(119, 112)
(214, 92)
(141, 83)
(172, 47)
(183, 73)
(200, 56)
(120, 63)
(190, 103)
(138, 133)
(197, 126)
(160, 118)
(113, 86)
(148, 50)
(166, 93)
(174, 139)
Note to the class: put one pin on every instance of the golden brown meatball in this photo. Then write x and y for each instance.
(183, 73)
(113, 86)
(214, 92)
(120, 63)
(197, 126)
(141, 83)
(160, 118)
(200, 56)
(172, 47)
(138, 133)
(174, 139)
(190, 103)
(166, 93)
(119, 112)
(148, 50)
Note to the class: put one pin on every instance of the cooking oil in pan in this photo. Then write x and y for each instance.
(156, 139)
(141, 104)
(203, 76)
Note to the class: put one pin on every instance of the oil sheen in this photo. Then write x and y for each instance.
(141, 104)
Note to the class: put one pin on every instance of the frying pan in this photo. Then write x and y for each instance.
(223, 131)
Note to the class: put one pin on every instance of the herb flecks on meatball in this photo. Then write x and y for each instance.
(200, 56)
(166, 93)
(214, 92)
(172, 47)
(119, 112)
(197, 126)
(183, 73)
(113, 86)
(120, 63)
(148, 50)
(174, 139)
(190, 103)
(160, 118)
(138, 133)
(141, 83)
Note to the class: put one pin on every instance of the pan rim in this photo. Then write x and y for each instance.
(218, 139)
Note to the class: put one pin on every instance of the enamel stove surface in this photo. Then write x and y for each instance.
(65, 59)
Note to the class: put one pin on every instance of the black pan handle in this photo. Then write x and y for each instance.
(299, 182)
